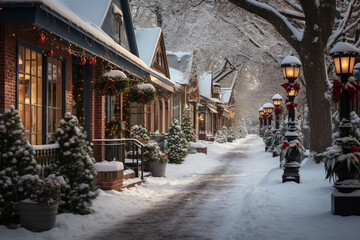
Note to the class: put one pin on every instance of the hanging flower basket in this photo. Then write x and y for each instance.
(112, 83)
(142, 93)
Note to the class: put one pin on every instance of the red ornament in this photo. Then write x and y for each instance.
(82, 61)
(49, 53)
(69, 52)
(92, 60)
(41, 39)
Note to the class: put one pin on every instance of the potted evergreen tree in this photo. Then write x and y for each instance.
(155, 160)
(177, 146)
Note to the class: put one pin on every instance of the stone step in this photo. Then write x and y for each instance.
(129, 183)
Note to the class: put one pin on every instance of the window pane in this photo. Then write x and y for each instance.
(49, 93)
(39, 89)
(54, 70)
(39, 139)
(33, 120)
(27, 118)
(39, 120)
(59, 95)
(21, 88)
(59, 75)
(53, 104)
(27, 89)
(21, 112)
(50, 126)
(21, 59)
(58, 117)
(27, 60)
(49, 69)
(39, 65)
(33, 90)
(33, 139)
(53, 121)
(33, 63)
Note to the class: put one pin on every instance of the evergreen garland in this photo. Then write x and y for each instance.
(141, 95)
(186, 126)
(76, 165)
(177, 146)
(111, 85)
(16, 160)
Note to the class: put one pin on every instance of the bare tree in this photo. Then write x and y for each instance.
(308, 26)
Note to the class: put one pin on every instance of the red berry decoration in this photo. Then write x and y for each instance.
(92, 60)
(49, 53)
(70, 52)
(82, 61)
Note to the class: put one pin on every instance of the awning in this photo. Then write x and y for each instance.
(213, 110)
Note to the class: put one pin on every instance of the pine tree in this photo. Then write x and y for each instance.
(177, 145)
(220, 137)
(16, 160)
(231, 134)
(76, 165)
(186, 126)
(140, 133)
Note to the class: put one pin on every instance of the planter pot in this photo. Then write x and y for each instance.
(38, 217)
(157, 169)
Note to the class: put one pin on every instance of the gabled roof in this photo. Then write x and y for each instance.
(225, 70)
(147, 40)
(226, 94)
(205, 85)
(90, 10)
(180, 66)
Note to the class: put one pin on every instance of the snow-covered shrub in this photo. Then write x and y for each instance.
(152, 153)
(140, 133)
(220, 137)
(186, 126)
(231, 134)
(242, 132)
(76, 165)
(16, 160)
(177, 146)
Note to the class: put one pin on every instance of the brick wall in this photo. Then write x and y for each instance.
(110, 180)
(97, 106)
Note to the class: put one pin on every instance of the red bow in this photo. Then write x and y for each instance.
(352, 87)
(354, 148)
(284, 145)
(110, 83)
(338, 87)
(260, 118)
(269, 117)
(289, 86)
(278, 110)
(290, 105)
(141, 99)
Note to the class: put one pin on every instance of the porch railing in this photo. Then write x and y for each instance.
(126, 150)
(45, 155)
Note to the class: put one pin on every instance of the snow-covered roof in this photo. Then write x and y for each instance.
(95, 10)
(277, 97)
(115, 73)
(81, 21)
(291, 60)
(215, 100)
(180, 61)
(178, 77)
(147, 40)
(226, 94)
(268, 105)
(205, 85)
(343, 47)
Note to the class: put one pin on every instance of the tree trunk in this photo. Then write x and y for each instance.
(313, 63)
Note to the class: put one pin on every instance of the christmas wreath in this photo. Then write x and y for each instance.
(142, 93)
(112, 83)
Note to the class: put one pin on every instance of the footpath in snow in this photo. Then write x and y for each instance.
(251, 203)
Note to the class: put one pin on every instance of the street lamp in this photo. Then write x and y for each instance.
(277, 102)
(268, 109)
(343, 55)
(261, 114)
(291, 70)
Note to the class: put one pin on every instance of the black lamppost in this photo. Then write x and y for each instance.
(261, 114)
(343, 203)
(277, 102)
(268, 109)
(291, 69)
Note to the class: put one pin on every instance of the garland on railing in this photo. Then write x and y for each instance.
(278, 110)
(291, 86)
(338, 87)
(290, 105)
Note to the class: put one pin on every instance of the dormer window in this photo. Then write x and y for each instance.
(118, 21)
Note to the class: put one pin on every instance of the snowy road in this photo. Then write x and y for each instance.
(206, 210)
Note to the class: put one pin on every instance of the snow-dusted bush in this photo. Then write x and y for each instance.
(76, 165)
(152, 153)
(140, 133)
(242, 132)
(177, 146)
(16, 160)
(220, 137)
(231, 134)
(186, 126)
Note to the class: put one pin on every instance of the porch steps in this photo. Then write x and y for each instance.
(129, 179)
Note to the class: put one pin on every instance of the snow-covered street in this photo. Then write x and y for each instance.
(235, 192)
